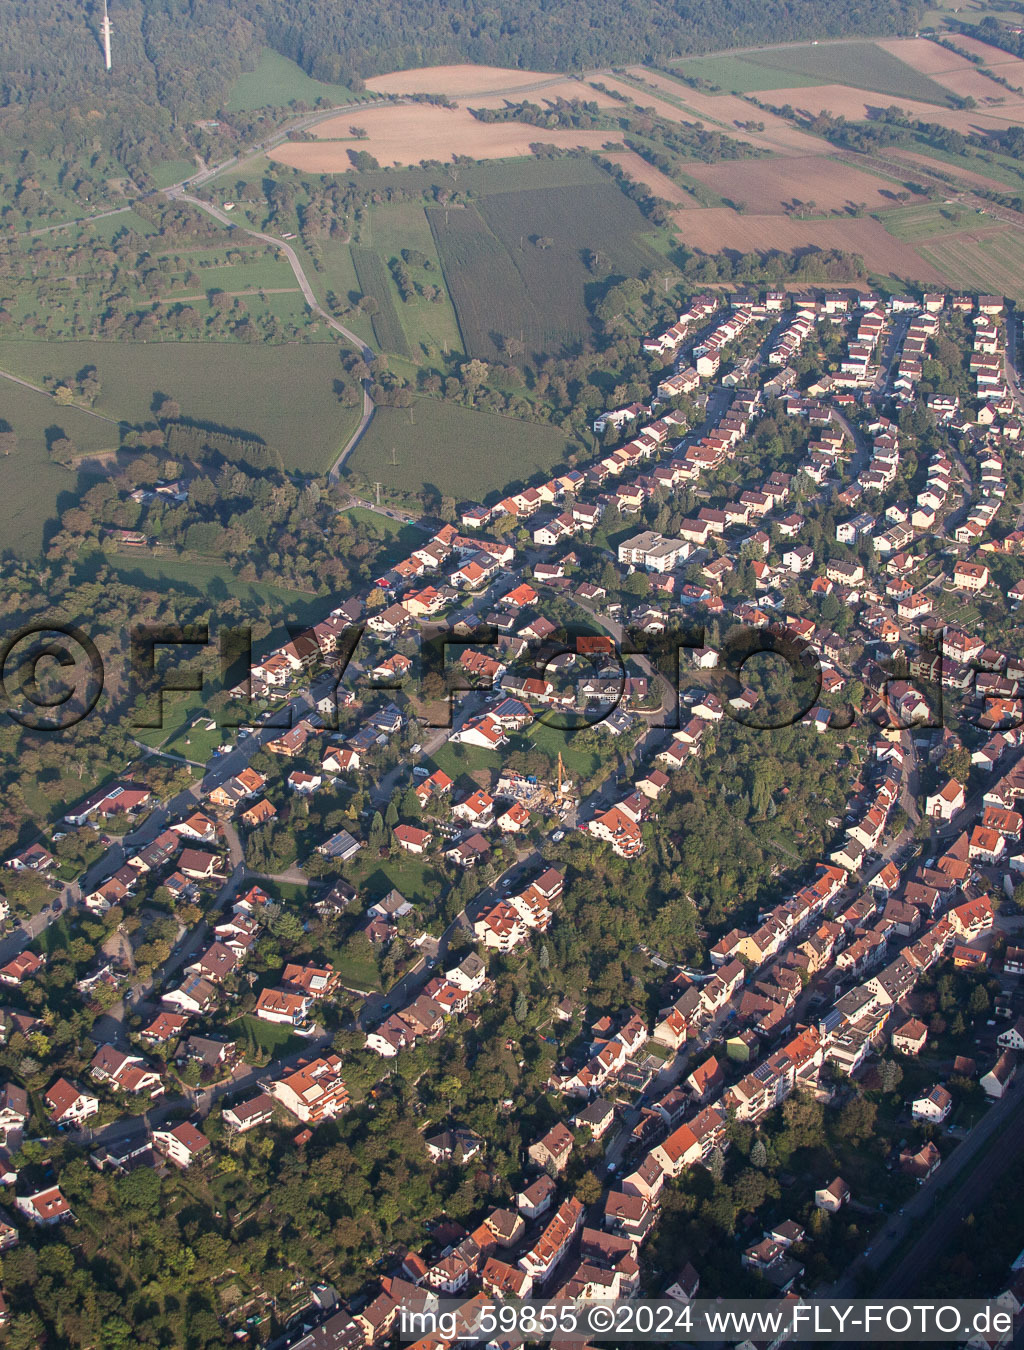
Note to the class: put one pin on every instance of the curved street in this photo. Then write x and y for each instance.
(366, 352)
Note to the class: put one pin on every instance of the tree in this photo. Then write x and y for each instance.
(956, 762)
(522, 1009)
(857, 1120)
(716, 1163)
(804, 1120)
(450, 1089)
(588, 1189)
(758, 1154)
(391, 815)
(473, 373)
(891, 1075)
(63, 450)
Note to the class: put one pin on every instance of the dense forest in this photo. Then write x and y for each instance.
(174, 60)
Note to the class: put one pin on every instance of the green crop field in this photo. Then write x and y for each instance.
(993, 263)
(284, 394)
(514, 264)
(914, 223)
(485, 176)
(862, 65)
(737, 74)
(276, 82)
(32, 485)
(375, 281)
(462, 452)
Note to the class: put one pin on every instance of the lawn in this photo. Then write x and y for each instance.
(429, 326)
(276, 82)
(861, 65)
(179, 708)
(464, 453)
(268, 1036)
(169, 171)
(456, 760)
(375, 282)
(581, 764)
(396, 539)
(338, 274)
(416, 877)
(195, 741)
(284, 394)
(212, 580)
(356, 972)
(33, 486)
(104, 230)
(514, 262)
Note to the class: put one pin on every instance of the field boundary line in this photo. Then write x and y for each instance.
(37, 389)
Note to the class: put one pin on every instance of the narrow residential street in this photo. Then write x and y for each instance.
(939, 1207)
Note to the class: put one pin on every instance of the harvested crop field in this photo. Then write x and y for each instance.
(457, 81)
(659, 183)
(720, 228)
(956, 73)
(857, 106)
(934, 164)
(544, 95)
(768, 185)
(409, 133)
(1009, 67)
(924, 55)
(722, 110)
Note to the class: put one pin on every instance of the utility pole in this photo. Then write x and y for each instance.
(394, 456)
(377, 486)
